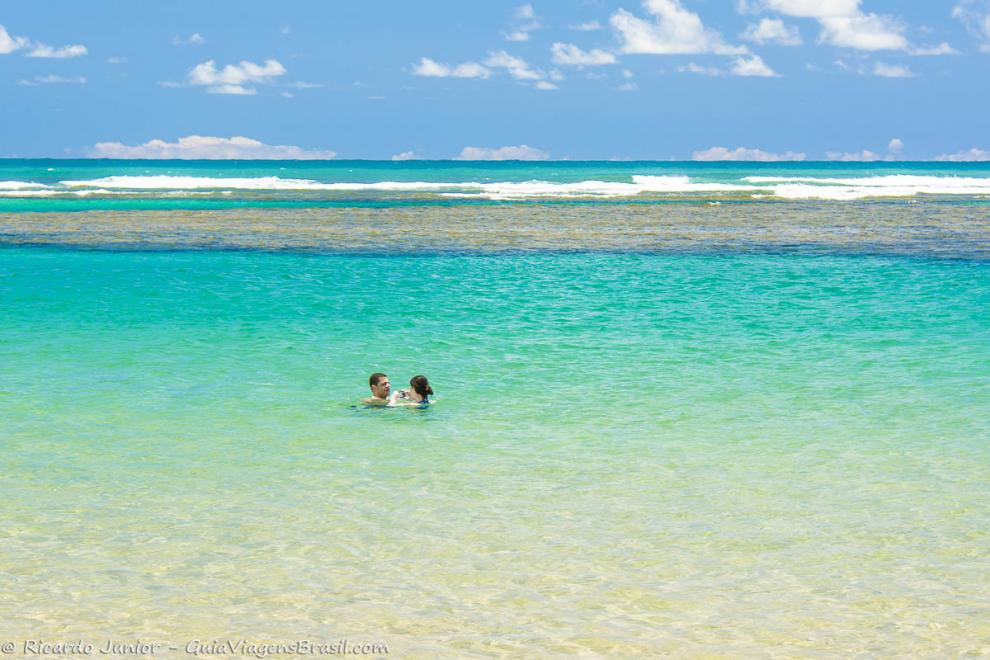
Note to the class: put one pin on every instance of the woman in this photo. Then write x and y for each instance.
(418, 393)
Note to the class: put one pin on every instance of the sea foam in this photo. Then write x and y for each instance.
(894, 185)
(781, 187)
(20, 185)
(164, 182)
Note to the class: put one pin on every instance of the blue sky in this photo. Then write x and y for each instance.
(660, 79)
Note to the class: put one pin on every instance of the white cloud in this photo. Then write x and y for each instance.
(235, 78)
(516, 66)
(195, 39)
(975, 15)
(302, 84)
(675, 31)
(773, 31)
(571, 55)
(522, 152)
(433, 69)
(521, 32)
(810, 8)
(470, 70)
(544, 85)
(41, 50)
(628, 87)
(53, 79)
(864, 32)
(866, 68)
(9, 44)
(941, 49)
(858, 156)
(892, 71)
(752, 66)
(965, 156)
(691, 67)
(204, 147)
(236, 90)
(843, 23)
(406, 155)
(742, 153)
(116, 60)
(589, 26)
(894, 148)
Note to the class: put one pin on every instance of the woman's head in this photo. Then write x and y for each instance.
(421, 386)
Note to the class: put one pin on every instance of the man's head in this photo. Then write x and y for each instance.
(380, 386)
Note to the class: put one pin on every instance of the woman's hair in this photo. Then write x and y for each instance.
(421, 385)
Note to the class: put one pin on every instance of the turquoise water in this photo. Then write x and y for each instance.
(701, 454)
(693, 409)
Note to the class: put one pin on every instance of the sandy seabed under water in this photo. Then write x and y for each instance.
(928, 228)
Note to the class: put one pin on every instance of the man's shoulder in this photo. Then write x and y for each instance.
(374, 401)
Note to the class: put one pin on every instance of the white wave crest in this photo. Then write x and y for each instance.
(256, 183)
(887, 180)
(20, 185)
(804, 191)
(104, 192)
(894, 185)
(54, 193)
(782, 187)
(640, 184)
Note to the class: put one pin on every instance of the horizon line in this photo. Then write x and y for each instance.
(490, 161)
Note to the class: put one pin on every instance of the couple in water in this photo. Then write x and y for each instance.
(418, 393)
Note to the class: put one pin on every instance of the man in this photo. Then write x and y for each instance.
(380, 390)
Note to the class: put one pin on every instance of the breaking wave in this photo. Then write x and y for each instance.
(757, 187)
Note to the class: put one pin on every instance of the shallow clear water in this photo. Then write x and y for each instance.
(632, 453)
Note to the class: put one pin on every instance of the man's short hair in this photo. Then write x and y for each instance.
(376, 378)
